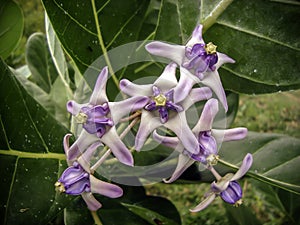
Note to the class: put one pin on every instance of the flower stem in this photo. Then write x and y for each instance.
(134, 115)
(96, 218)
(214, 172)
(108, 152)
(103, 48)
(213, 16)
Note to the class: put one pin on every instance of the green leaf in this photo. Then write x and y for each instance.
(11, 27)
(128, 21)
(241, 215)
(134, 205)
(285, 202)
(58, 57)
(276, 158)
(266, 52)
(31, 156)
(39, 61)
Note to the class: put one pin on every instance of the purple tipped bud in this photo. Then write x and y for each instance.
(233, 193)
(74, 180)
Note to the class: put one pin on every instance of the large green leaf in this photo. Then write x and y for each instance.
(11, 27)
(31, 156)
(263, 38)
(119, 22)
(40, 63)
(133, 207)
(276, 160)
(279, 200)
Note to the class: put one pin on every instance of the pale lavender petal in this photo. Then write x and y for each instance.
(147, 125)
(91, 201)
(222, 58)
(174, 52)
(230, 134)
(167, 79)
(81, 144)
(178, 124)
(74, 108)
(85, 158)
(208, 114)
(196, 95)
(247, 163)
(118, 148)
(221, 185)
(204, 203)
(123, 108)
(212, 80)
(172, 142)
(184, 86)
(133, 89)
(98, 96)
(66, 145)
(104, 188)
(184, 162)
(196, 36)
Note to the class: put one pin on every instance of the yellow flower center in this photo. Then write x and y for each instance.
(212, 159)
(238, 203)
(81, 117)
(160, 100)
(210, 48)
(59, 187)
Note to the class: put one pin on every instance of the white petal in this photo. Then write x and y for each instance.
(171, 142)
(196, 95)
(98, 96)
(148, 124)
(247, 163)
(222, 58)
(196, 36)
(81, 144)
(74, 108)
(167, 79)
(184, 86)
(91, 201)
(208, 114)
(85, 158)
(179, 126)
(113, 141)
(133, 89)
(229, 134)
(212, 80)
(174, 52)
(104, 188)
(184, 162)
(123, 108)
(204, 203)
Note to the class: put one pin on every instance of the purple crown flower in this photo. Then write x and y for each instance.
(227, 187)
(208, 140)
(77, 179)
(198, 62)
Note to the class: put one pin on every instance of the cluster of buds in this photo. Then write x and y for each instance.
(161, 104)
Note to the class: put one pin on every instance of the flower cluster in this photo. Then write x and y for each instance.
(163, 103)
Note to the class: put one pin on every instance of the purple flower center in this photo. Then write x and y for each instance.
(201, 58)
(74, 180)
(163, 102)
(94, 119)
(208, 149)
(233, 193)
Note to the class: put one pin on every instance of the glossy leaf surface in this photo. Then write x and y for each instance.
(11, 27)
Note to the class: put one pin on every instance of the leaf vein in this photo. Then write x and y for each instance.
(223, 23)
(73, 19)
